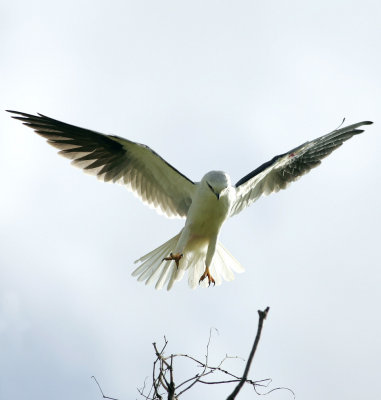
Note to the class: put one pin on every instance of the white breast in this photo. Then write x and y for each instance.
(207, 213)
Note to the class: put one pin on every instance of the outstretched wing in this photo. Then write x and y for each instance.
(280, 171)
(114, 159)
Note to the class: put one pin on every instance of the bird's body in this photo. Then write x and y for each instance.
(207, 212)
(197, 243)
(206, 204)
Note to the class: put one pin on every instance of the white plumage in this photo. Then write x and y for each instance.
(205, 204)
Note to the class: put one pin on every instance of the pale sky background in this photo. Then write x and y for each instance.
(208, 85)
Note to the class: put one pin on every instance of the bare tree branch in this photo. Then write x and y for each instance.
(262, 317)
(163, 371)
(163, 380)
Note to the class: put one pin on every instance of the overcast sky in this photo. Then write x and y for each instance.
(208, 85)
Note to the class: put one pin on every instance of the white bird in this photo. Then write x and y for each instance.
(206, 204)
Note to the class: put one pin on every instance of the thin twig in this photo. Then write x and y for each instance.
(211, 369)
(273, 390)
(105, 397)
(199, 376)
(262, 317)
(219, 382)
(141, 391)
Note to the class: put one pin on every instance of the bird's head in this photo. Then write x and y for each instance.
(217, 182)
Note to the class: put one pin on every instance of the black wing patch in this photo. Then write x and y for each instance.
(259, 170)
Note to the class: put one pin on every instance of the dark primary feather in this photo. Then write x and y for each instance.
(283, 169)
(258, 170)
(112, 158)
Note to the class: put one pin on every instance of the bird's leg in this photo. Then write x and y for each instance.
(176, 257)
(206, 274)
(208, 262)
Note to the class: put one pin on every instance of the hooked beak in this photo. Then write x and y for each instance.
(211, 188)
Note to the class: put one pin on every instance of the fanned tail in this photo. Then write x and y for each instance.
(153, 268)
(224, 264)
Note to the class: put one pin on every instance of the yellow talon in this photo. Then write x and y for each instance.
(176, 257)
(206, 274)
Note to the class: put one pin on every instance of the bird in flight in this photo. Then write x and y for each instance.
(206, 204)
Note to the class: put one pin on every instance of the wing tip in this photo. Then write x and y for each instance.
(15, 112)
(22, 116)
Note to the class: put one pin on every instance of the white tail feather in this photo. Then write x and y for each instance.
(152, 267)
